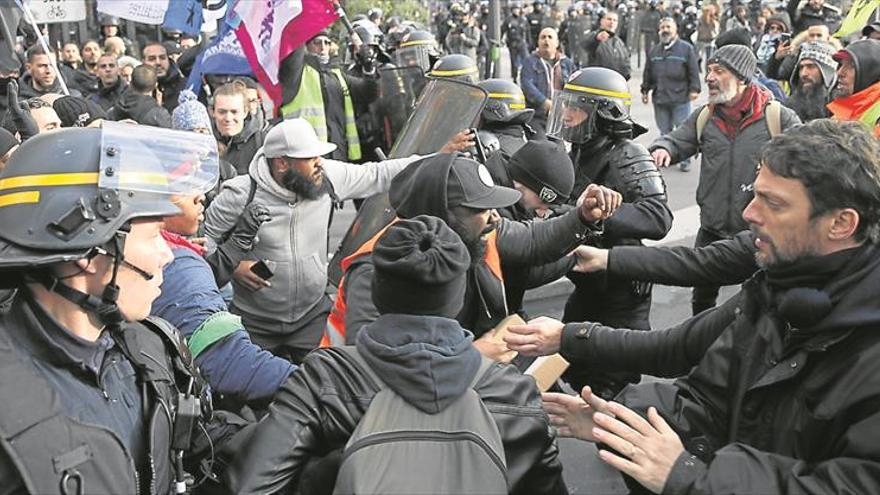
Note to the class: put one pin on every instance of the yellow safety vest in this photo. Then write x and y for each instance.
(309, 105)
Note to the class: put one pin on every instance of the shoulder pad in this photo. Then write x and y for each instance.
(171, 337)
(637, 171)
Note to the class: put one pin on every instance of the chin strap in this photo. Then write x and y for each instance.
(105, 307)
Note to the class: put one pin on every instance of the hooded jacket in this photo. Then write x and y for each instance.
(296, 236)
(171, 84)
(775, 407)
(421, 190)
(864, 103)
(427, 360)
(142, 109)
(26, 88)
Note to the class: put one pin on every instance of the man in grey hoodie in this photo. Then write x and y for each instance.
(288, 174)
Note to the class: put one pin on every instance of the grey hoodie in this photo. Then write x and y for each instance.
(296, 236)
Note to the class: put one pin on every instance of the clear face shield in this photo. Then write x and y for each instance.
(572, 117)
(414, 54)
(155, 160)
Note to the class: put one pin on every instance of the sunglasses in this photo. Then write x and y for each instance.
(321, 41)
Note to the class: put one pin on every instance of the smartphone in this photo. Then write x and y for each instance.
(784, 38)
(264, 269)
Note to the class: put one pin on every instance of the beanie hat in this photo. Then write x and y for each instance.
(823, 55)
(75, 111)
(420, 268)
(545, 168)
(189, 114)
(781, 19)
(738, 59)
(738, 36)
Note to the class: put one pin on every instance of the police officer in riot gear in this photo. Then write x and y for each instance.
(504, 126)
(417, 48)
(95, 397)
(456, 66)
(592, 113)
(369, 57)
(516, 31)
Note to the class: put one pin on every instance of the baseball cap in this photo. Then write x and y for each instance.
(870, 28)
(471, 185)
(295, 138)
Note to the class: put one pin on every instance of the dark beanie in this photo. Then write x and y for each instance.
(75, 111)
(738, 36)
(545, 168)
(420, 268)
(738, 59)
(7, 141)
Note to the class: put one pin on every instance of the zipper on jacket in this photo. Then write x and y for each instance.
(426, 435)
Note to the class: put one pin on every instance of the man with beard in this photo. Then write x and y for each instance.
(171, 80)
(812, 81)
(672, 77)
(461, 192)
(40, 78)
(857, 92)
(286, 314)
(729, 134)
(784, 401)
(112, 84)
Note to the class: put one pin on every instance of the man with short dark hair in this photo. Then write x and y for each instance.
(421, 353)
(112, 84)
(138, 103)
(171, 80)
(606, 49)
(40, 78)
(785, 400)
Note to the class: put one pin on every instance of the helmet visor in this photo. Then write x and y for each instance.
(156, 160)
(572, 117)
(414, 54)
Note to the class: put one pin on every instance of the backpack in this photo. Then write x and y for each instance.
(398, 449)
(772, 114)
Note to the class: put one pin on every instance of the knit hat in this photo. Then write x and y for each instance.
(781, 19)
(7, 141)
(545, 168)
(738, 36)
(823, 55)
(738, 59)
(420, 268)
(75, 111)
(189, 114)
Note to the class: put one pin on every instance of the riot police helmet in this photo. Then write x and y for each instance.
(455, 66)
(417, 49)
(591, 96)
(506, 103)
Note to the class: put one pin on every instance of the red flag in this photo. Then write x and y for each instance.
(271, 30)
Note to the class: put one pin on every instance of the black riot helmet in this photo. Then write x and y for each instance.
(590, 96)
(456, 66)
(417, 49)
(506, 103)
(71, 194)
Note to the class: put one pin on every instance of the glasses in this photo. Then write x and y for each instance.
(322, 41)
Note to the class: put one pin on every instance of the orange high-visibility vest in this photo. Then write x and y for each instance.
(334, 331)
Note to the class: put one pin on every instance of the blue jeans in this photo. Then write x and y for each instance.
(671, 115)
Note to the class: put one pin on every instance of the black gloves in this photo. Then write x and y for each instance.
(21, 116)
(253, 216)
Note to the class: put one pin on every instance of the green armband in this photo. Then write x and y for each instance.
(213, 330)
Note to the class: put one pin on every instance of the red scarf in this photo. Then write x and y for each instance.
(175, 240)
(749, 109)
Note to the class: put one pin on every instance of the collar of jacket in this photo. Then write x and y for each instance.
(853, 106)
(747, 111)
(45, 338)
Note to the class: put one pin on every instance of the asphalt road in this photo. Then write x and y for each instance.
(584, 472)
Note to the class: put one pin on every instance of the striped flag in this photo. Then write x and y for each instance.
(270, 30)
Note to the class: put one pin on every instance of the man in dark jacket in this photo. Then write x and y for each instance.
(730, 140)
(112, 85)
(606, 49)
(462, 191)
(672, 77)
(785, 399)
(235, 128)
(857, 92)
(171, 80)
(543, 74)
(137, 102)
(421, 353)
(815, 12)
(40, 78)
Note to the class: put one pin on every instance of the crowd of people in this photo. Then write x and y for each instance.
(169, 324)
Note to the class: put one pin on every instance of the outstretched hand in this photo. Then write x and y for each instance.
(540, 337)
(460, 142)
(573, 416)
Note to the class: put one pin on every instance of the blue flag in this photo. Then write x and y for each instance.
(184, 16)
(223, 56)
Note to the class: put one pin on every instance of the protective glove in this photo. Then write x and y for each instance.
(21, 116)
(248, 225)
(366, 60)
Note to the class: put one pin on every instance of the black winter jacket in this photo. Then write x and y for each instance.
(427, 360)
(672, 73)
(142, 109)
(779, 408)
(107, 96)
(241, 148)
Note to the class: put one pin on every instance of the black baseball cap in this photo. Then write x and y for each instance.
(471, 185)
